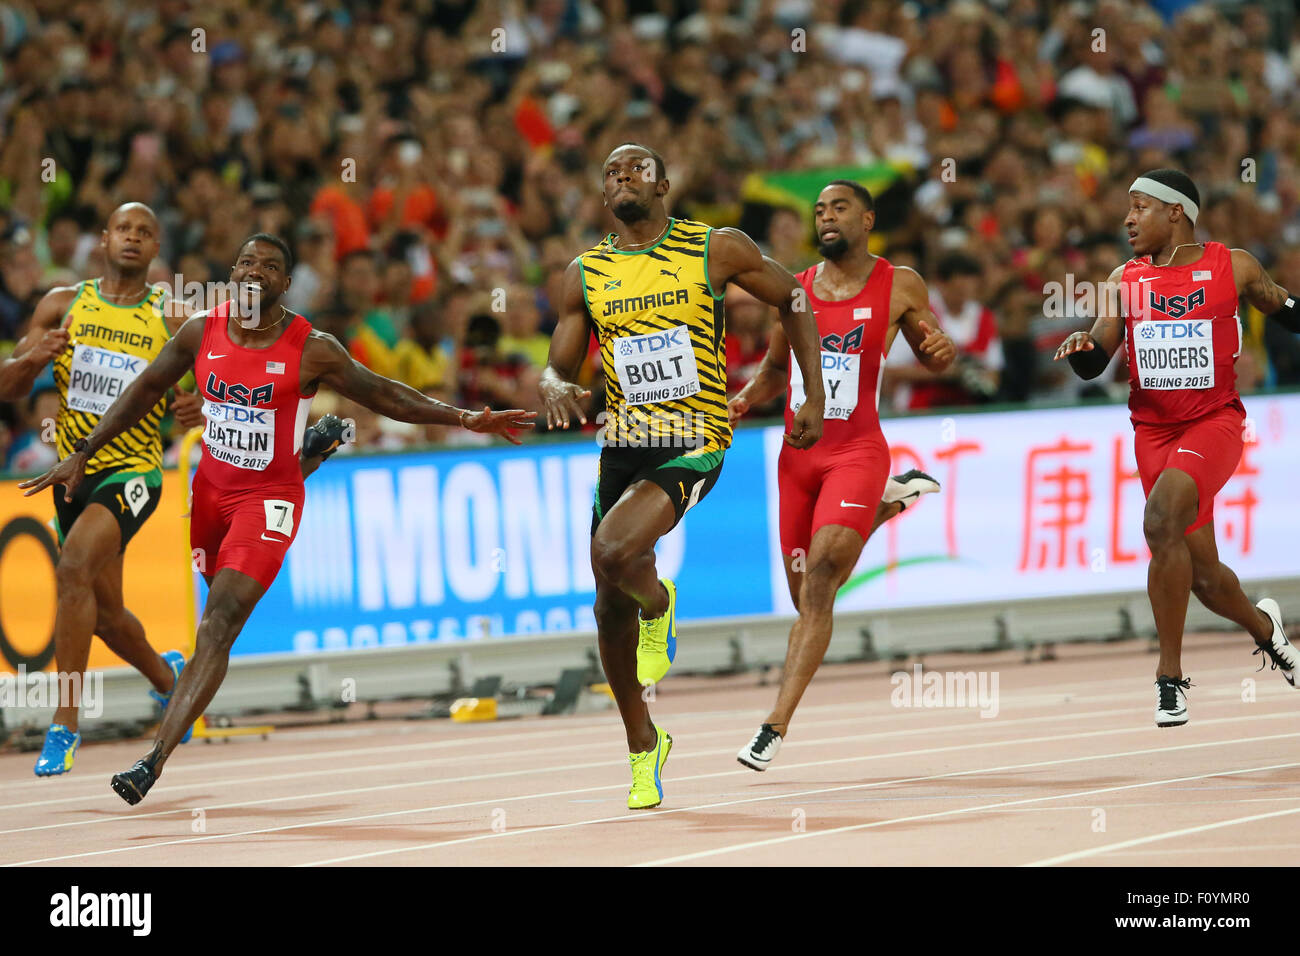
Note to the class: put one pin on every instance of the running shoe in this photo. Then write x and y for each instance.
(1278, 650)
(176, 661)
(1171, 701)
(60, 747)
(657, 645)
(647, 769)
(131, 785)
(908, 488)
(760, 751)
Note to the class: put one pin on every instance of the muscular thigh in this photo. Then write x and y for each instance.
(93, 542)
(638, 519)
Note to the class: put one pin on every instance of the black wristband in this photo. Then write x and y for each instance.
(79, 446)
(1089, 363)
(1288, 316)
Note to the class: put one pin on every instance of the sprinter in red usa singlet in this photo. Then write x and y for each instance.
(836, 493)
(257, 366)
(1175, 308)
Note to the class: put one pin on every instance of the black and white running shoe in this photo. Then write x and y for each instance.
(760, 751)
(1171, 701)
(324, 437)
(132, 785)
(907, 488)
(1279, 650)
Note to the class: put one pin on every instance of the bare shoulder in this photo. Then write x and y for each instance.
(908, 280)
(50, 310)
(730, 240)
(1118, 272)
(176, 312)
(318, 340)
(1244, 264)
(909, 291)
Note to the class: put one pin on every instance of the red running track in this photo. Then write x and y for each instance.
(1071, 770)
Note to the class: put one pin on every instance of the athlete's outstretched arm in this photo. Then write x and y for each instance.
(35, 350)
(1089, 352)
(560, 394)
(326, 362)
(734, 257)
(1254, 282)
(929, 343)
(770, 380)
(175, 359)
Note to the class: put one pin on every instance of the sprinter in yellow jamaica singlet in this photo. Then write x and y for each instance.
(651, 292)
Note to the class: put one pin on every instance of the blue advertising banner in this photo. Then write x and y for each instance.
(472, 544)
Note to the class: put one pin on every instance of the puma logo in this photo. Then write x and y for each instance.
(672, 275)
(682, 486)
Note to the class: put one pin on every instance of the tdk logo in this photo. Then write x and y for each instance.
(655, 342)
(1176, 306)
(836, 363)
(1172, 331)
(236, 413)
(116, 360)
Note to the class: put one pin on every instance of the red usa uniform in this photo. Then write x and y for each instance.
(1182, 338)
(248, 489)
(839, 480)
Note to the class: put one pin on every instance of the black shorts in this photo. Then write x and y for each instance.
(130, 495)
(686, 476)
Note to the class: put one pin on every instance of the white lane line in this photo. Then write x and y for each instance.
(515, 739)
(516, 744)
(753, 844)
(625, 818)
(1040, 696)
(704, 776)
(126, 816)
(828, 741)
(514, 753)
(1167, 835)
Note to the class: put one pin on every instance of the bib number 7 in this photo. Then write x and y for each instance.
(279, 516)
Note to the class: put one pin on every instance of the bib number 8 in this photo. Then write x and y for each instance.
(136, 493)
(279, 516)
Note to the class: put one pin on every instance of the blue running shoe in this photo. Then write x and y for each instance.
(176, 661)
(60, 747)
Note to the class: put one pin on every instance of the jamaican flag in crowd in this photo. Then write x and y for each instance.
(762, 193)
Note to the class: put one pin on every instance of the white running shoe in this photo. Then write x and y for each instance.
(1279, 650)
(1171, 701)
(760, 751)
(908, 488)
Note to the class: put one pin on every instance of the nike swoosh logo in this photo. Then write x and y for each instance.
(1147, 278)
(211, 356)
(1190, 452)
(849, 504)
(274, 540)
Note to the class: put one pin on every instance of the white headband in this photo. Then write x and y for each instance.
(1166, 194)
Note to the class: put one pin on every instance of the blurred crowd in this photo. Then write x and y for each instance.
(435, 165)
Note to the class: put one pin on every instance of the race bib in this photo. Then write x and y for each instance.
(839, 378)
(136, 494)
(657, 366)
(1174, 355)
(99, 376)
(239, 435)
(279, 516)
